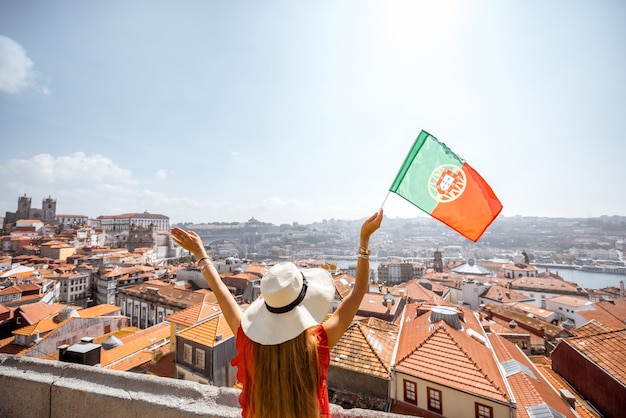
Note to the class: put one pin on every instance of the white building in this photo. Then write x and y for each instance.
(543, 288)
(568, 307)
(74, 288)
(119, 223)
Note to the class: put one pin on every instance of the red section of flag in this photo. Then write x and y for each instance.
(474, 210)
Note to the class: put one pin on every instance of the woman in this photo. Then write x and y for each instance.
(283, 342)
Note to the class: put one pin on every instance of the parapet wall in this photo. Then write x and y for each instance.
(34, 388)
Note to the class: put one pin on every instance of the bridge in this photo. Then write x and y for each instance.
(227, 244)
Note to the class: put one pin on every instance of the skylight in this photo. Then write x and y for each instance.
(376, 345)
(513, 366)
(543, 411)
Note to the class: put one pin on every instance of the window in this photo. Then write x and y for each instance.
(199, 363)
(187, 353)
(483, 411)
(434, 400)
(410, 392)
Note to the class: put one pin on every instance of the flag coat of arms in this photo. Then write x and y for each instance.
(437, 181)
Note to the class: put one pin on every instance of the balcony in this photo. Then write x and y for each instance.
(34, 388)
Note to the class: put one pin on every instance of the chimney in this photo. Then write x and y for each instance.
(621, 288)
(62, 349)
(567, 396)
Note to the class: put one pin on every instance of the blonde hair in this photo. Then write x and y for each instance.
(286, 379)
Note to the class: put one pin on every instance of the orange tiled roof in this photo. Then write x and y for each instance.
(42, 327)
(604, 317)
(582, 408)
(615, 307)
(6, 341)
(534, 324)
(592, 327)
(416, 292)
(373, 302)
(4, 309)
(519, 267)
(19, 288)
(194, 314)
(456, 358)
(343, 284)
(11, 347)
(607, 350)
(141, 358)
(545, 283)
(257, 269)
(99, 310)
(366, 347)
(527, 309)
(136, 343)
(247, 276)
(206, 332)
(529, 386)
(503, 294)
(35, 312)
(164, 367)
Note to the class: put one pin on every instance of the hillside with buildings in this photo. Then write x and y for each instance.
(448, 326)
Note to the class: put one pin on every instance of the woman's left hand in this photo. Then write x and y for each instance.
(189, 240)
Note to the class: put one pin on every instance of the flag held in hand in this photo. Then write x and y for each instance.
(437, 181)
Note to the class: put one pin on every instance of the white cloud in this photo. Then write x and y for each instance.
(161, 174)
(75, 169)
(16, 69)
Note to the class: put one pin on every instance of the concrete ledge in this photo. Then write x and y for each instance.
(34, 388)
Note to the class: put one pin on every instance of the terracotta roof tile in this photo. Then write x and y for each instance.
(582, 408)
(529, 386)
(163, 367)
(415, 292)
(458, 358)
(592, 327)
(366, 347)
(157, 335)
(503, 294)
(99, 310)
(170, 292)
(604, 317)
(35, 312)
(544, 284)
(343, 284)
(616, 307)
(373, 302)
(607, 350)
(257, 269)
(536, 325)
(141, 358)
(194, 314)
(209, 332)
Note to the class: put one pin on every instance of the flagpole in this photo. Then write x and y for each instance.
(383, 204)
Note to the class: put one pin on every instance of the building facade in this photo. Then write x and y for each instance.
(149, 303)
(122, 223)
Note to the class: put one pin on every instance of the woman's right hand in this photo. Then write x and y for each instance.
(189, 240)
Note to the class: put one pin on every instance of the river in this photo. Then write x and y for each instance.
(586, 279)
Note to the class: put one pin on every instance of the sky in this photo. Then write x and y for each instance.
(293, 111)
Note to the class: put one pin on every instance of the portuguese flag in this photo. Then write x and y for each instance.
(437, 181)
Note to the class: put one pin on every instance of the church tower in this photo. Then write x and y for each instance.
(49, 209)
(438, 262)
(23, 208)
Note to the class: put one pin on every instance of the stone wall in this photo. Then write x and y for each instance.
(34, 388)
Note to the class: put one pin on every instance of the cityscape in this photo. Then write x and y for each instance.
(448, 325)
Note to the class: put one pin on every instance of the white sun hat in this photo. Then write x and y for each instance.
(291, 301)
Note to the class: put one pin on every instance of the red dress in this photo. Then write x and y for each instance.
(243, 360)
